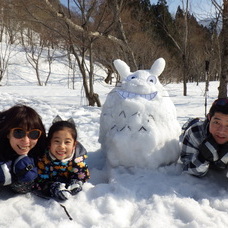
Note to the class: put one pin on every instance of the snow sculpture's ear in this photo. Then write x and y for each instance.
(158, 67)
(57, 119)
(122, 68)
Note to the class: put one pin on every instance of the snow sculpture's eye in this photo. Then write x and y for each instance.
(152, 79)
(130, 77)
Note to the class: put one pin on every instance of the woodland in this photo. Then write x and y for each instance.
(90, 32)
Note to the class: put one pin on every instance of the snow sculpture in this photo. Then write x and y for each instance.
(138, 124)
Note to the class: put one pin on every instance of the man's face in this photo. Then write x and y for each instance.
(218, 127)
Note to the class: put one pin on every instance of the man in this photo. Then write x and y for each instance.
(204, 145)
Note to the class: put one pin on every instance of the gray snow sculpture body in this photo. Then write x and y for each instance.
(138, 123)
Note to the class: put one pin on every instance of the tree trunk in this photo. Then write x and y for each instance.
(224, 57)
(185, 76)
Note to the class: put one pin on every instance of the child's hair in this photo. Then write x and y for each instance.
(61, 125)
(24, 117)
(219, 105)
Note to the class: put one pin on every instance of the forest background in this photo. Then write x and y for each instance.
(92, 32)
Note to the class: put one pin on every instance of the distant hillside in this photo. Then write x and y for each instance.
(206, 22)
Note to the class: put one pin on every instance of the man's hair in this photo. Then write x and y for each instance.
(219, 105)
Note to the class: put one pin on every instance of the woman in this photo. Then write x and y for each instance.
(22, 141)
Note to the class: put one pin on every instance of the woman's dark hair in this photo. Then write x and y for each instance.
(61, 125)
(24, 117)
(219, 105)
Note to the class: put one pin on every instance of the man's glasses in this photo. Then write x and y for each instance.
(19, 133)
(221, 102)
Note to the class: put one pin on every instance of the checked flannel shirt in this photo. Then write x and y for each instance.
(190, 143)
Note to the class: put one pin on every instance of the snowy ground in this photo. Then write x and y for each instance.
(122, 197)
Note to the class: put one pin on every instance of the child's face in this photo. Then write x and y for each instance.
(23, 145)
(62, 144)
(219, 127)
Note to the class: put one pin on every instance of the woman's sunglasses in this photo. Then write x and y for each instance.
(19, 133)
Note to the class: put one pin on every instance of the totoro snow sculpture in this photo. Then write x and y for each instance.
(138, 123)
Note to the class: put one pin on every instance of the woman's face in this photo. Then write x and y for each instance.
(23, 145)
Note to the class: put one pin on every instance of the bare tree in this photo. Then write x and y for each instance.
(83, 32)
(7, 37)
(184, 56)
(6, 48)
(178, 37)
(224, 57)
(117, 7)
(50, 60)
(33, 48)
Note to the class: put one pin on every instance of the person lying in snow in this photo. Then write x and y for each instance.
(204, 145)
(62, 170)
(22, 140)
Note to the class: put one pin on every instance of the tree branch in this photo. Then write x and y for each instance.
(80, 28)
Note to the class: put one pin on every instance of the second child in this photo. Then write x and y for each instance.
(62, 170)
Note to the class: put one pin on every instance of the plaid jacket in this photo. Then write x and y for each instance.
(190, 143)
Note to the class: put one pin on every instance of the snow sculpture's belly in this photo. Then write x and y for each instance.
(139, 132)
